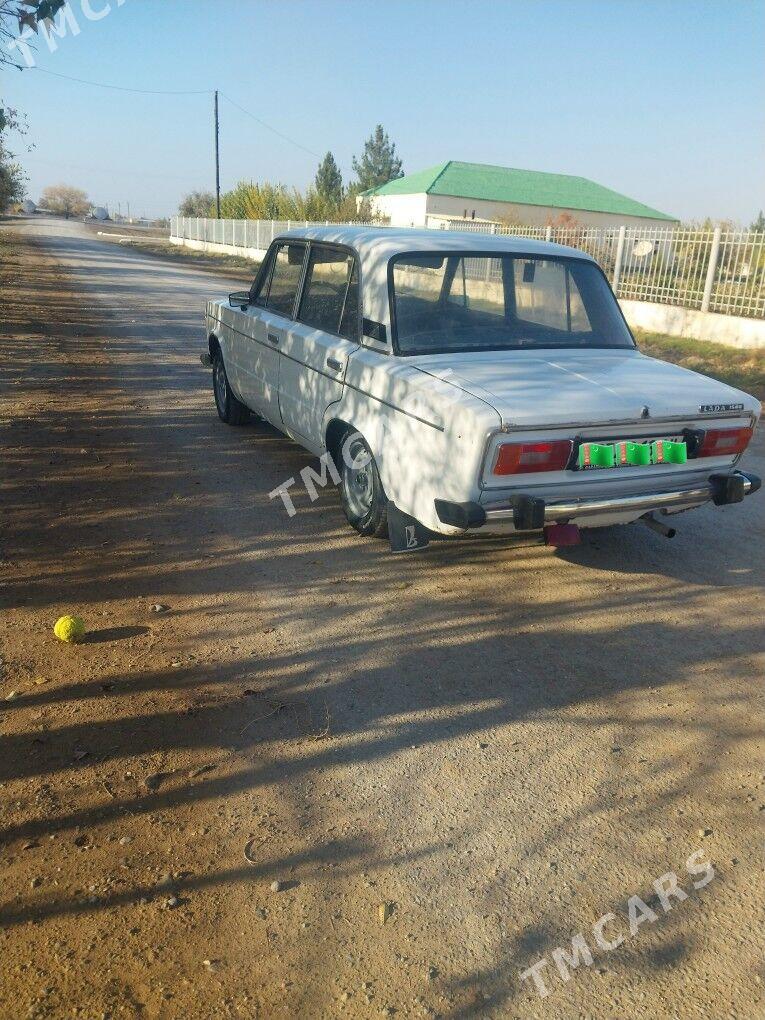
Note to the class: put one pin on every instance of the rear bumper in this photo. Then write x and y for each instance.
(530, 513)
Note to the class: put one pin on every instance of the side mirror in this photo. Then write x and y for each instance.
(239, 297)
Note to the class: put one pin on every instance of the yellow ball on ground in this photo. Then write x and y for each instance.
(69, 628)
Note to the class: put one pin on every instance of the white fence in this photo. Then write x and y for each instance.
(709, 270)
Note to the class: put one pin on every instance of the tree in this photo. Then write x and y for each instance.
(759, 223)
(197, 203)
(16, 18)
(12, 177)
(65, 200)
(267, 201)
(18, 15)
(379, 162)
(12, 181)
(329, 181)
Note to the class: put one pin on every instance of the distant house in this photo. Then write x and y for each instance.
(477, 191)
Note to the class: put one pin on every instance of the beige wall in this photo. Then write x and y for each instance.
(411, 210)
(732, 330)
(401, 210)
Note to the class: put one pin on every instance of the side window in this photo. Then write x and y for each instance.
(330, 296)
(349, 324)
(285, 277)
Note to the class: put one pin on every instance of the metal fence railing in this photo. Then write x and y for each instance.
(711, 270)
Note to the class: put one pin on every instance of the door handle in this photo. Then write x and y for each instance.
(335, 364)
(272, 338)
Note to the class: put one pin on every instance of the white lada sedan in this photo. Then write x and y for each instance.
(454, 382)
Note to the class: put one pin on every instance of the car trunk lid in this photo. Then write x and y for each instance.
(548, 388)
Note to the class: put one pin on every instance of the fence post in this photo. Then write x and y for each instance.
(619, 259)
(714, 254)
(273, 229)
(548, 233)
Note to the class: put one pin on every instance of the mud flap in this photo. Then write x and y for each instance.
(405, 533)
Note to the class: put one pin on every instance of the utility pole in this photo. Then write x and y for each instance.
(217, 157)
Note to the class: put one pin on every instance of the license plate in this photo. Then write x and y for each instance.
(632, 453)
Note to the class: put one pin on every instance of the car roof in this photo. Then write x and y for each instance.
(396, 240)
(377, 245)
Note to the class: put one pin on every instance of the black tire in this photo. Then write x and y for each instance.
(230, 410)
(361, 491)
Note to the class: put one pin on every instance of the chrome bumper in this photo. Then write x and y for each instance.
(529, 513)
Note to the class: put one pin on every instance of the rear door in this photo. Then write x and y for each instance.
(267, 322)
(316, 347)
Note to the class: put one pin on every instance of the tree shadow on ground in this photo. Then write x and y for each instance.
(139, 492)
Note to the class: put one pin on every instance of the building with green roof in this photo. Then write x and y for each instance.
(478, 191)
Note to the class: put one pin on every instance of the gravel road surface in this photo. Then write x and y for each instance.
(450, 764)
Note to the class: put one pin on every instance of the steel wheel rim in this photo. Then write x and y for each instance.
(219, 382)
(358, 482)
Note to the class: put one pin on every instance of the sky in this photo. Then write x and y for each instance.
(662, 101)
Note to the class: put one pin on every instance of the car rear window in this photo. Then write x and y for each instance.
(462, 302)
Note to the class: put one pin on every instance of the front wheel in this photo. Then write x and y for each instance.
(361, 491)
(230, 410)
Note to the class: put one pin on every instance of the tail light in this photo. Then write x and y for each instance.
(724, 442)
(523, 458)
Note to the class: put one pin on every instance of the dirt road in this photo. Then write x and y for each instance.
(499, 742)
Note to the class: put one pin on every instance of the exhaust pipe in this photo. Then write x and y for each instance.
(658, 526)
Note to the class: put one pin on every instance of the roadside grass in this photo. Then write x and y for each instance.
(742, 368)
(233, 265)
(739, 367)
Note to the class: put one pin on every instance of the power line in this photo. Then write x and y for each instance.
(121, 88)
(182, 92)
(185, 92)
(268, 127)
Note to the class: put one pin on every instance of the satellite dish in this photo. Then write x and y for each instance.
(642, 248)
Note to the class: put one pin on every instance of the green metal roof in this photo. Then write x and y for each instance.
(522, 187)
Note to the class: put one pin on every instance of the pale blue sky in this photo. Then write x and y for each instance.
(660, 100)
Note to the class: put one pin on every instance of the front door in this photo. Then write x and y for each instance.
(264, 327)
(316, 347)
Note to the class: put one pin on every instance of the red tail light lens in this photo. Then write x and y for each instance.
(523, 458)
(724, 442)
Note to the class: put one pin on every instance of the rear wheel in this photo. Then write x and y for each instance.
(230, 410)
(361, 491)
